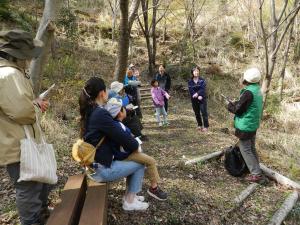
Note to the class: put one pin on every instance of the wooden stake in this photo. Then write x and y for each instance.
(279, 178)
(205, 158)
(245, 193)
(284, 210)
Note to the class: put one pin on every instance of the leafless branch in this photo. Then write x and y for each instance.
(283, 9)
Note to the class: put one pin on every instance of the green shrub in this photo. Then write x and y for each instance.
(5, 13)
(106, 32)
(238, 41)
(272, 104)
(62, 68)
(68, 21)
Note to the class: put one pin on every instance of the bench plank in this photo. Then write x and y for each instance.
(94, 211)
(72, 198)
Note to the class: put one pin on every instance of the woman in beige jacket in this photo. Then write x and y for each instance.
(18, 108)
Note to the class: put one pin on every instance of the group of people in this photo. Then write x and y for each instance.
(109, 116)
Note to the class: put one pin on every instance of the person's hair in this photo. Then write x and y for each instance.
(163, 65)
(121, 110)
(129, 72)
(193, 69)
(153, 81)
(245, 82)
(87, 99)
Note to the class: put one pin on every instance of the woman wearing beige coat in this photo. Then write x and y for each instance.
(18, 108)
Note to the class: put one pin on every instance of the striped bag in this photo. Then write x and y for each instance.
(37, 162)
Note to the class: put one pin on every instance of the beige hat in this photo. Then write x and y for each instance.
(116, 86)
(252, 75)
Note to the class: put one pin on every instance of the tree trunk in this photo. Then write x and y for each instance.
(45, 33)
(122, 57)
(286, 54)
(114, 19)
(154, 42)
(125, 29)
(275, 44)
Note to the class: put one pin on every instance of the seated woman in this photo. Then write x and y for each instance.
(97, 123)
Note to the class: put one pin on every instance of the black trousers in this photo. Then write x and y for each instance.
(166, 104)
(200, 110)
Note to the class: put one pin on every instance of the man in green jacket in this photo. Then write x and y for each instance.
(248, 111)
(18, 108)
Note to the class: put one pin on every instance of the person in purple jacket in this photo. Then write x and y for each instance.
(158, 98)
(197, 89)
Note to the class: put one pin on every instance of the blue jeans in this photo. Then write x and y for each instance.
(134, 172)
(160, 110)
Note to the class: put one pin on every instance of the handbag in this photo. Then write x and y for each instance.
(37, 162)
(84, 153)
(234, 162)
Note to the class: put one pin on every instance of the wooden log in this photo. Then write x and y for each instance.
(284, 210)
(245, 193)
(205, 158)
(279, 178)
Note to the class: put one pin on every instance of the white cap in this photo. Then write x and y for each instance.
(252, 75)
(114, 106)
(116, 86)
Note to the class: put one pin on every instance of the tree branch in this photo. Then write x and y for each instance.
(133, 11)
(283, 10)
(285, 30)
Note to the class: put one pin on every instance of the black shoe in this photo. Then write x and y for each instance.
(144, 138)
(157, 193)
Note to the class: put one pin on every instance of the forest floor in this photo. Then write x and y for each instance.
(198, 194)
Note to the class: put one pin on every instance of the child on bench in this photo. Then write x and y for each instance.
(114, 107)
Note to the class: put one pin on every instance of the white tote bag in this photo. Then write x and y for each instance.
(37, 161)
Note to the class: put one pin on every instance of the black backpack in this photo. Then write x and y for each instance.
(234, 162)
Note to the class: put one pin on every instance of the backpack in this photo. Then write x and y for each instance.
(234, 162)
(84, 153)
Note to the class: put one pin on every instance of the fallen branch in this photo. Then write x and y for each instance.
(238, 201)
(205, 158)
(284, 210)
(245, 193)
(279, 178)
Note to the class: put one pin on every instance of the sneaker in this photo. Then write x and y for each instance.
(199, 128)
(157, 193)
(260, 179)
(166, 123)
(138, 197)
(205, 129)
(160, 124)
(135, 205)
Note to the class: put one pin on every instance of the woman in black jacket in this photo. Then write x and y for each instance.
(97, 123)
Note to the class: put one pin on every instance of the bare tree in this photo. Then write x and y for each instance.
(285, 58)
(114, 6)
(149, 29)
(273, 41)
(125, 29)
(45, 33)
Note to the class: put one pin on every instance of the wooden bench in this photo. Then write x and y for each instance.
(82, 203)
